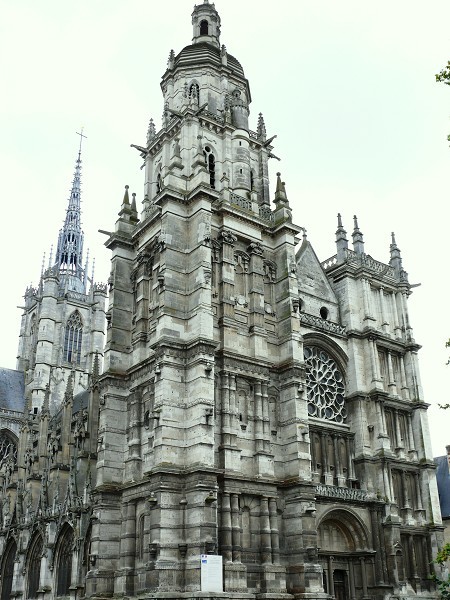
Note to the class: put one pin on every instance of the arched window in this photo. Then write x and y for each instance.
(140, 536)
(34, 566)
(72, 338)
(8, 448)
(204, 27)
(210, 165)
(64, 561)
(325, 386)
(8, 570)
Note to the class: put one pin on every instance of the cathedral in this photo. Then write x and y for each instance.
(228, 416)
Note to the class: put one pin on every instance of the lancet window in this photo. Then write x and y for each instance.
(8, 570)
(72, 338)
(64, 558)
(34, 567)
(325, 386)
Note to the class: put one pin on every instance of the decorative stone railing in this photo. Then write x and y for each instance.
(240, 201)
(322, 324)
(363, 260)
(73, 295)
(266, 214)
(343, 493)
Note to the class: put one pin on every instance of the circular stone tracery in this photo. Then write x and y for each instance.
(325, 386)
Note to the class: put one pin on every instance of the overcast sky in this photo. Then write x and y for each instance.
(348, 87)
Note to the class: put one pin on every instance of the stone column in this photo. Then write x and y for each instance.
(351, 577)
(376, 543)
(235, 528)
(259, 442)
(397, 328)
(330, 576)
(266, 419)
(398, 435)
(374, 361)
(362, 561)
(407, 499)
(225, 409)
(405, 388)
(274, 534)
(384, 322)
(392, 386)
(226, 528)
(266, 542)
(351, 470)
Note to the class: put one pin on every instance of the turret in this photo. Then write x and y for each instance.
(206, 24)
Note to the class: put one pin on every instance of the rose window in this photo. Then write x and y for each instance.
(325, 386)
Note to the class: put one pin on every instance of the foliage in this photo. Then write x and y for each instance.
(444, 77)
(443, 585)
(447, 345)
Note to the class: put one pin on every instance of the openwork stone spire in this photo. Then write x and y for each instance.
(69, 254)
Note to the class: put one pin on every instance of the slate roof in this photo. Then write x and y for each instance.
(12, 389)
(443, 481)
(202, 53)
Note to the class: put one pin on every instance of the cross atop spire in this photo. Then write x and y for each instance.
(81, 138)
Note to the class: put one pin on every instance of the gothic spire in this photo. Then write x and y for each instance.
(69, 254)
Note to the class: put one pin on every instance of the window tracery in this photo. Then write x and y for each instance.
(72, 338)
(8, 449)
(325, 386)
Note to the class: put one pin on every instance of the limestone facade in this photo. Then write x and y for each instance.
(255, 403)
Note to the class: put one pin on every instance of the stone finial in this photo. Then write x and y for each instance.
(261, 128)
(171, 60)
(280, 192)
(133, 215)
(341, 240)
(46, 404)
(358, 240)
(96, 366)
(396, 259)
(126, 198)
(151, 131)
(68, 394)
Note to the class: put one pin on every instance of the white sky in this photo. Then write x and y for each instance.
(348, 87)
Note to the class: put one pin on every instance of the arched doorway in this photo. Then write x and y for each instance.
(345, 555)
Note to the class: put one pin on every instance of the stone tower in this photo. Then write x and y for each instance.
(260, 411)
(63, 317)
